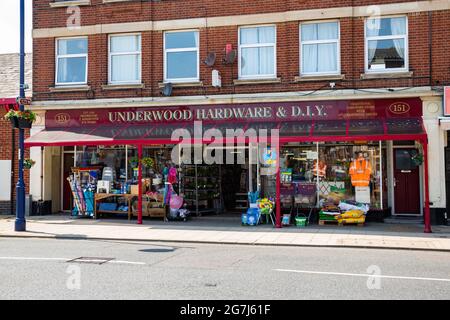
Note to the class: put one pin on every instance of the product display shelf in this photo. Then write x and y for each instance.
(126, 198)
(201, 187)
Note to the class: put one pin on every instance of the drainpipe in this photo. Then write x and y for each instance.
(430, 45)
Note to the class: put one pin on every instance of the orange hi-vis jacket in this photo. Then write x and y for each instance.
(360, 172)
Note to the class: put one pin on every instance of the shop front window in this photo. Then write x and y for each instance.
(109, 159)
(322, 175)
(350, 172)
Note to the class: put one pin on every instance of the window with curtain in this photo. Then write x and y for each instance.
(181, 51)
(319, 48)
(386, 44)
(257, 57)
(71, 61)
(125, 59)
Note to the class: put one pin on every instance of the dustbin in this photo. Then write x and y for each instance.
(28, 205)
(40, 208)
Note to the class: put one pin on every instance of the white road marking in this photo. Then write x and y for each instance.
(127, 262)
(67, 259)
(363, 275)
(33, 258)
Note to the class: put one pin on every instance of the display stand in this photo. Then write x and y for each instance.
(83, 184)
(127, 198)
(153, 208)
(202, 188)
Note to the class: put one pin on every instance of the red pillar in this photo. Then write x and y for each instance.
(278, 188)
(426, 218)
(140, 185)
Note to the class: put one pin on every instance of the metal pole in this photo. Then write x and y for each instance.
(381, 174)
(140, 185)
(20, 224)
(426, 217)
(278, 186)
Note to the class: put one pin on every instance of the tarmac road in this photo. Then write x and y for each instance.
(41, 269)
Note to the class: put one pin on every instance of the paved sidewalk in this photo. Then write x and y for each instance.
(228, 231)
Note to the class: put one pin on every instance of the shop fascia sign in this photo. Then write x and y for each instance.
(447, 101)
(219, 113)
(251, 112)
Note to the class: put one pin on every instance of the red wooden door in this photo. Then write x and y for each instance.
(407, 182)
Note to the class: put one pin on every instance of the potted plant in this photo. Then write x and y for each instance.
(21, 119)
(148, 162)
(28, 163)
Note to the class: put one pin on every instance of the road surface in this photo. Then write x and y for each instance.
(46, 269)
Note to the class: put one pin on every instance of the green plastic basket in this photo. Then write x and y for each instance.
(300, 221)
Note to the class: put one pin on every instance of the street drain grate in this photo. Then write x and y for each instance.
(91, 260)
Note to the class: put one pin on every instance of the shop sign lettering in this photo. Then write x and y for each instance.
(399, 108)
(218, 113)
(62, 118)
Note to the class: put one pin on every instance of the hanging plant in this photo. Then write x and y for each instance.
(148, 162)
(134, 162)
(28, 163)
(21, 119)
(417, 159)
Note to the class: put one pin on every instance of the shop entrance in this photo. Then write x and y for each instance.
(68, 163)
(222, 187)
(406, 182)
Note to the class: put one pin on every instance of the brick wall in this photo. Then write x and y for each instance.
(6, 154)
(215, 39)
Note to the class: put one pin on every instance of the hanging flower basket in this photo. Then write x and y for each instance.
(28, 163)
(134, 162)
(148, 162)
(21, 119)
(417, 159)
(14, 122)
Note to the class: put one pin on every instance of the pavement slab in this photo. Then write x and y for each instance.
(378, 235)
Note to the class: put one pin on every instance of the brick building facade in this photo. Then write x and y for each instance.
(426, 69)
(9, 71)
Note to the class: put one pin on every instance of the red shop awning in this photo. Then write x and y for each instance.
(289, 131)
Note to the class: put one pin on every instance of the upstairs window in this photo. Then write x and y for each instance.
(319, 50)
(387, 44)
(257, 52)
(181, 56)
(125, 59)
(71, 61)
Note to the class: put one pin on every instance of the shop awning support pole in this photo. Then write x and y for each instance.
(140, 184)
(278, 188)
(427, 219)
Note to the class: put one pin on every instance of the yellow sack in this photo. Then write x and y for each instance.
(353, 220)
(351, 214)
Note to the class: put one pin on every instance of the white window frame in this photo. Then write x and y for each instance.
(166, 51)
(338, 46)
(79, 55)
(258, 45)
(138, 53)
(391, 37)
